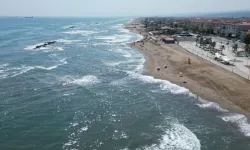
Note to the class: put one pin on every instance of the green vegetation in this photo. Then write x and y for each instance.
(247, 39)
(235, 47)
(213, 44)
(247, 48)
(222, 47)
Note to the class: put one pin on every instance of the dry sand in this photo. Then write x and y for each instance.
(201, 77)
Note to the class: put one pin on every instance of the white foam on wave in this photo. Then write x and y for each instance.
(84, 81)
(178, 137)
(83, 129)
(105, 37)
(14, 71)
(124, 38)
(67, 41)
(3, 65)
(164, 84)
(80, 32)
(46, 68)
(211, 105)
(59, 48)
(239, 120)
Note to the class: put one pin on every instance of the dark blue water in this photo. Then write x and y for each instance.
(88, 92)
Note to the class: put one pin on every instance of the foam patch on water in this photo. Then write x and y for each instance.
(178, 137)
(164, 84)
(84, 81)
(239, 120)
(80, 32)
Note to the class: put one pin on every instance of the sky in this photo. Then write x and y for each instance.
(106, 8)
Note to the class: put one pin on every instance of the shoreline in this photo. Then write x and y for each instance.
(202, 78)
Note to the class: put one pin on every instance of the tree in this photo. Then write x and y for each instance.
(195, 29)
(247, 39)
(201, 41)
(210, 31)
(204, 30)
(213, 44)
(235, 47)
(186, 28)
(229, 35)
(197, 40)
(222, 47)
(247, 48)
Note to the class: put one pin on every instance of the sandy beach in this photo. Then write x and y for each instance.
(201, 77)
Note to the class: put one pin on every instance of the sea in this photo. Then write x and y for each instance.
(89, 90)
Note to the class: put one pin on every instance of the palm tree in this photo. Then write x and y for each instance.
(213, 44)
(235, 47)
(197, 40)
(247, 48)
(201, 41)
(222, 47)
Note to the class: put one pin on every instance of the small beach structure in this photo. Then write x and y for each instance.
(168, 40)
(185, 33)
(240, 53)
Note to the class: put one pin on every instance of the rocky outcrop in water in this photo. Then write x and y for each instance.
(45, 44)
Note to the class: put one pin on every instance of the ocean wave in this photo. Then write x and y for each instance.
(164, 84)
(3, 65)
(212, 105)
(117, 38)
(80, 32)
(46, 68)
(84, 81)
(105, 37)
(59, 48)
(67, 41)
(32, 47)
(239, 120)
(178, 137)
(121, 38)
(14, 71)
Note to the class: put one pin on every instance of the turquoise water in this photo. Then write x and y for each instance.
(88, 91)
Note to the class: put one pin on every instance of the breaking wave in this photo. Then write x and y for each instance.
(178, 137)
(164, 84)
(239, 120)
(211, 105)
(80, 32)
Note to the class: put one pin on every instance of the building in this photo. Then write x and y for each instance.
(168, 40)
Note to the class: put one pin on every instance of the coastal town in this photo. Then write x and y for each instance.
(210, 57)
(222, 41)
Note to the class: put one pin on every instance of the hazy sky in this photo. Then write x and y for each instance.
(116, 7)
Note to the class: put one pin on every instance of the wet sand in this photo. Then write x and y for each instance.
(201, 77)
